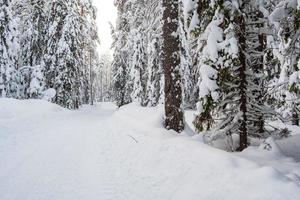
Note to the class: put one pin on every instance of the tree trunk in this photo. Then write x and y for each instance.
(171, 64)
(295, 120)
(243, 132)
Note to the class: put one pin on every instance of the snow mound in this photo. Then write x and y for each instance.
(183, 167)
(270, 145)
(101, 152)
(49, 94)
(13, 108)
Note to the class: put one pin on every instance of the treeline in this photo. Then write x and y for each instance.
(238, 61)
(48, 46)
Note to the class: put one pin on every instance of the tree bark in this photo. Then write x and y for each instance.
(295, 120)
(171, 64)
(243, 132)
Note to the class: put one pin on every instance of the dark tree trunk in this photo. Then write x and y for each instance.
(295, 120)
(171, 64)
(243, 132)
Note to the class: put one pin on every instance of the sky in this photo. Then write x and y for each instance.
(106, 13)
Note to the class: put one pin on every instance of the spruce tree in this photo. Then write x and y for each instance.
(232, 79)
(285, 87)
(8, 51)
(121, 69)
(89, 43)
(63, 60)
(32, 40)
(154, 47)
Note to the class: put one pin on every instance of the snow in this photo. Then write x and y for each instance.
(208, 83)
(194, 22)
(188, 6)
(263, 9)
(49, 94)
(101, 152)
(290, 146)
(12, 109)
(281, 10)
(214, 35)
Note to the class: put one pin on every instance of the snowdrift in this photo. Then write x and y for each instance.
(102, 152)
(186, 168)
(13, 108)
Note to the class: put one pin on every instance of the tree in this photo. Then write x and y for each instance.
(171, 64)
(138, 54)
(285, 86)
(8, 51)
(103, 79)
(155, 82)
(63, 55)
(137, 67)
(32, 39)
(232, 79)
(121, 69)
(33, 30)
(90, 41)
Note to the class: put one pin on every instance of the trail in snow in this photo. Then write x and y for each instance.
(101, 153)
(66, 158)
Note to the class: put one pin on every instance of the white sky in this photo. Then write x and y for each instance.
(106, 13)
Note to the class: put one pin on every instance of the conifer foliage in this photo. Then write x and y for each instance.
(8, 47)
(59, 42)
(236, 61)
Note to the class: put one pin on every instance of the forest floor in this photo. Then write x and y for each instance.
(105, 153)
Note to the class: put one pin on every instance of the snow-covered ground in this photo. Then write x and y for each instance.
(104, 153)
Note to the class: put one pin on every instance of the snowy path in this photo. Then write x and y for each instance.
(67, 161)
(47, 153)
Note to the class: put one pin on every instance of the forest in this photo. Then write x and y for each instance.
(236, 62)
(224, 73)
(50, 47)
(238, 65)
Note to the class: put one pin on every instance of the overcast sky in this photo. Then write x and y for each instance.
(106, 13)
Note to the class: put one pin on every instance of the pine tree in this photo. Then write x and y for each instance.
(89, 44)
(196, 17)
(103, 79)
(138, 55)
(209, 63)
(232, 79)
(63, 58)
(285, 89)
(121, 68)
(33, 32)
(8, 51)
(32, 40)
(171, 63)
(154, 47)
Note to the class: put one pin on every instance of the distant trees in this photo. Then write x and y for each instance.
(62, 55)
(8, 51)
(141, 57)
(102, 84)
(121, 69)
(59, 41)
(237, 62)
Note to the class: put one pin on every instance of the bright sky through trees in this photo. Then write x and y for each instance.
(106, 13)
